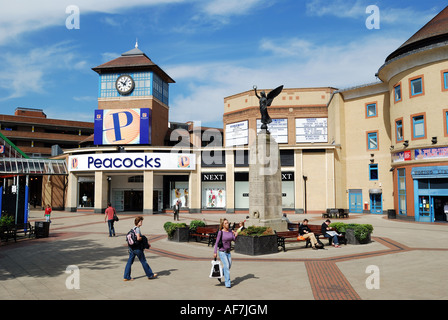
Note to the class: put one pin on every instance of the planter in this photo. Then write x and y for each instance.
(256, 245)
(181, 235)
(351, 239)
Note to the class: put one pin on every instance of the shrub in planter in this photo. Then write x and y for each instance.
(6, 221)
(354, 233)
(255, 231)
(196, 223)
(256, 241)
(171, 229)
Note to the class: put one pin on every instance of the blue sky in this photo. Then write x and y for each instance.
(211, 48)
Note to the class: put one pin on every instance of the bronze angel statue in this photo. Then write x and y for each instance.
(265, 102)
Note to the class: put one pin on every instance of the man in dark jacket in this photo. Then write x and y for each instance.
(306, 233)
(324, 230)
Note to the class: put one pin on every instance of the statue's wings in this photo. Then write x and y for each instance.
(271, 95)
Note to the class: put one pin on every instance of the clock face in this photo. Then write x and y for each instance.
(124, 84)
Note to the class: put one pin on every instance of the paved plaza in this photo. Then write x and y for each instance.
(405, 260)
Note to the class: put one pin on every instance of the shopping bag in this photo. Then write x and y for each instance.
(216, 271)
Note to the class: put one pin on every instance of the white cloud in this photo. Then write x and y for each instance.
(18, 17)
(293, 63)
(338, 8)
(230, 7)
(31, 72)
(356, 9)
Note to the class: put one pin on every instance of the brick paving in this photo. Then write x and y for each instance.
(332, 274)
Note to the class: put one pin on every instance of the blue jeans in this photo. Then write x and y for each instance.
(110, 223)
(141, 256)
(226, 260)
(335, 238)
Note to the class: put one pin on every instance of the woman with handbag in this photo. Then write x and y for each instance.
(109, 217)
(222, 245)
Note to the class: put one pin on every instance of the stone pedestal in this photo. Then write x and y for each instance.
(265, 184)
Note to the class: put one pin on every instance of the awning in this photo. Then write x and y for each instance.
(23, 166)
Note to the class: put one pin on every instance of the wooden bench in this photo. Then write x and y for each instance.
(207, 232)
(6, 233)
(293, 226)
(11, 231)
(292, 236)
(335, 213)
(317, 230)
(24, 228)
(286, 236)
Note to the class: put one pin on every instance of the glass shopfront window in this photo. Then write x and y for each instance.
(213, 190)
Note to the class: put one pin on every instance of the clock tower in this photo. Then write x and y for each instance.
(133, 81)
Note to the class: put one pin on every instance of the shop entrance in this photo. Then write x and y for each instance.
(439, 203)
(133, 200)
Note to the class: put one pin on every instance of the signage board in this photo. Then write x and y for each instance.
(237, 134)
(311, 130)
(132, 161)
(278, 129)
(122, 126)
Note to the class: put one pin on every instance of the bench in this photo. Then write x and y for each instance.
(207, 232)
(24, 228)
(316, 229)
(6, 233)
(335, 213)
(284, 236)
(292, 236)
(293, 226)
(11, 231)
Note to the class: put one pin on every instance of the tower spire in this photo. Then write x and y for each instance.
(136, 43)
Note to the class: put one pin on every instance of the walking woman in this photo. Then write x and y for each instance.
(223, 242)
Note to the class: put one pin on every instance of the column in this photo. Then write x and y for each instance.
(72, 193)
(100, 192)
(298, 182)
(230, 182)
(148, 192)
(194, 186)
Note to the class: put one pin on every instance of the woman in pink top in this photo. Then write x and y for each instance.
(109, 217)
(225, 236)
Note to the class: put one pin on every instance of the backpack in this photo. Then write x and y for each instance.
(131, 237)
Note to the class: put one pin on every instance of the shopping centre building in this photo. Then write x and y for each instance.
(367, 149)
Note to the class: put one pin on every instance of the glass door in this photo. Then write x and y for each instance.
(355, 201)
(376, 205)
(424, 208)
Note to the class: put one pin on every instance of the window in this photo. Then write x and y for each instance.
(416, 85)
(399, 130)
(418, 126)
(445, 125)
(373, 171)
(397, 92)
(401, 191)
(444, 80)
(372, 140)
(371, 110)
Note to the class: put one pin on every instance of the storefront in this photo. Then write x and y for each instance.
(213, 190)
(137, 181)
(430, 192)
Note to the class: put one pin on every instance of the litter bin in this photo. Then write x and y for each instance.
(42, 229)
(391, 214)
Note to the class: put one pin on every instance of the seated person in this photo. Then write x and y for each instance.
(324, 230)
(305, 232)
(241, 227)
(285, 218)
